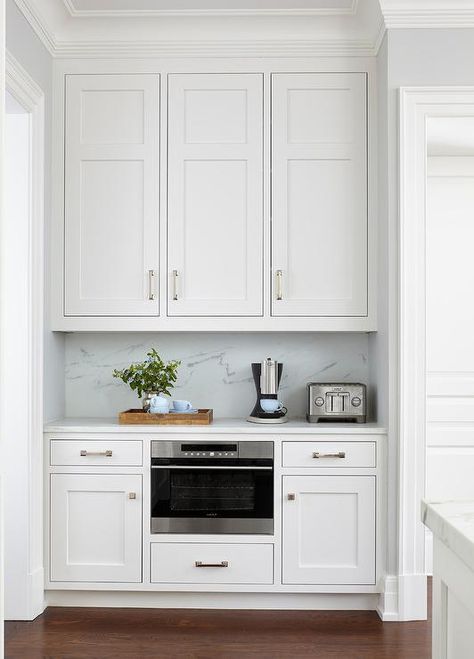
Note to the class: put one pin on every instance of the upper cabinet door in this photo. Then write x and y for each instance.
(319, 193)
(111, 195)
(215, 195)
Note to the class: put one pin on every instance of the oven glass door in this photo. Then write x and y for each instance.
(212, 500)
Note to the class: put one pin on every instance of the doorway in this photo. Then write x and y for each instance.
(449, 312)
(423, 241)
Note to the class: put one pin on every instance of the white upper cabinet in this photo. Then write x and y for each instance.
(319, 195)
(111, 195)
(215, 195)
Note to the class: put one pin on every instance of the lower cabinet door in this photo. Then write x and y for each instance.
(96, 527)
(329, 530)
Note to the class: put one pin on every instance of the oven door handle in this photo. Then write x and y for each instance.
(210, 467)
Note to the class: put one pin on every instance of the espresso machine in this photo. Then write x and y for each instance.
(267, 376)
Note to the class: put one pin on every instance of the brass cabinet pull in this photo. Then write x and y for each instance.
(175, 284)
(151, 285)
(86, 454)
(221, 564)
(341, 454)
(279, 293)
(291, 496)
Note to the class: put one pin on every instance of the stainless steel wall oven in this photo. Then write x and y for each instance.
(211, 487)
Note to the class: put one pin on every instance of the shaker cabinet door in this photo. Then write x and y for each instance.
(215, 195)
(319, 194)
(111, 195)
(328, 529)
(96, 528)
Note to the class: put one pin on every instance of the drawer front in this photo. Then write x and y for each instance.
(329, 454)
(93, 453)
(220, 563)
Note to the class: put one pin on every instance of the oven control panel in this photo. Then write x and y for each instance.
(186, 450)
(209, 450)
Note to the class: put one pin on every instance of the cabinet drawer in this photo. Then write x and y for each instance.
(331, 454)
(175, 562)
(96, 453)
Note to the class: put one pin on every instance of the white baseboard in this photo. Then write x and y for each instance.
(387, 607)
(412, 597)
(29, 600)
(37, 602)
(165, 600)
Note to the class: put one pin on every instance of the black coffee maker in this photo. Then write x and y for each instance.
(267, 376)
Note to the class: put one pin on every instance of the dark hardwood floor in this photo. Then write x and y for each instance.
(74, 633)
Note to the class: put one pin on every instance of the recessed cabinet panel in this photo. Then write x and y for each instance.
(96, 528)
(319, 191)
(215, 195)
(328, 530)
(111, 195)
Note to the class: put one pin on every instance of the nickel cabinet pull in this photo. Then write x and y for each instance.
(132, 495)
(279, 293)
(151, 285)
(175, 284)
(221, 564)
(341, 454)
(291, 496)
(106, 454)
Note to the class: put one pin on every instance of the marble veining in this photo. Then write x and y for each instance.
(215, 370)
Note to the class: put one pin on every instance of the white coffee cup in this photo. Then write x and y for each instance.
(271, 405)
(182, 405)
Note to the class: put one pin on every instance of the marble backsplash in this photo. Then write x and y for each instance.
(215, 369)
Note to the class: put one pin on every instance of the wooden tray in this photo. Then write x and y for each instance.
(136, 417)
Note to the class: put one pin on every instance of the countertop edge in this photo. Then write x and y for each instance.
(226, 426)
(452, 522)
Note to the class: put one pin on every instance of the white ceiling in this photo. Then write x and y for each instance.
(121, 7)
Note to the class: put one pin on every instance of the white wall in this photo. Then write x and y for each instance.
(215, 370)
(25, 46)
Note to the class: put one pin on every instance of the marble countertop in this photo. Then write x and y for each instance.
(452, 522)
(293, 426)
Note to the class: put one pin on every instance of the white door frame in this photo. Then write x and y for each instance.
(31, 593)
(417, 104)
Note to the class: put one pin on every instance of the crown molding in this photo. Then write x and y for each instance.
(146, 13)
(120, 48)
(438, 15)
(267, 48)
(38, 25)
(379, 37)
(20, 82)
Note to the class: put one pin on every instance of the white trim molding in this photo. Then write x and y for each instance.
(348, 10)
(429, 14)
(387, 607)
(215, 48)
(38, 24)
(416, 106)
(29, 600)
(68, 32)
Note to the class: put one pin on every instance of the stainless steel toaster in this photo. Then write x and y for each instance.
(331, 401)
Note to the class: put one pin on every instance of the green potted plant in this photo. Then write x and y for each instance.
(150, 377)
